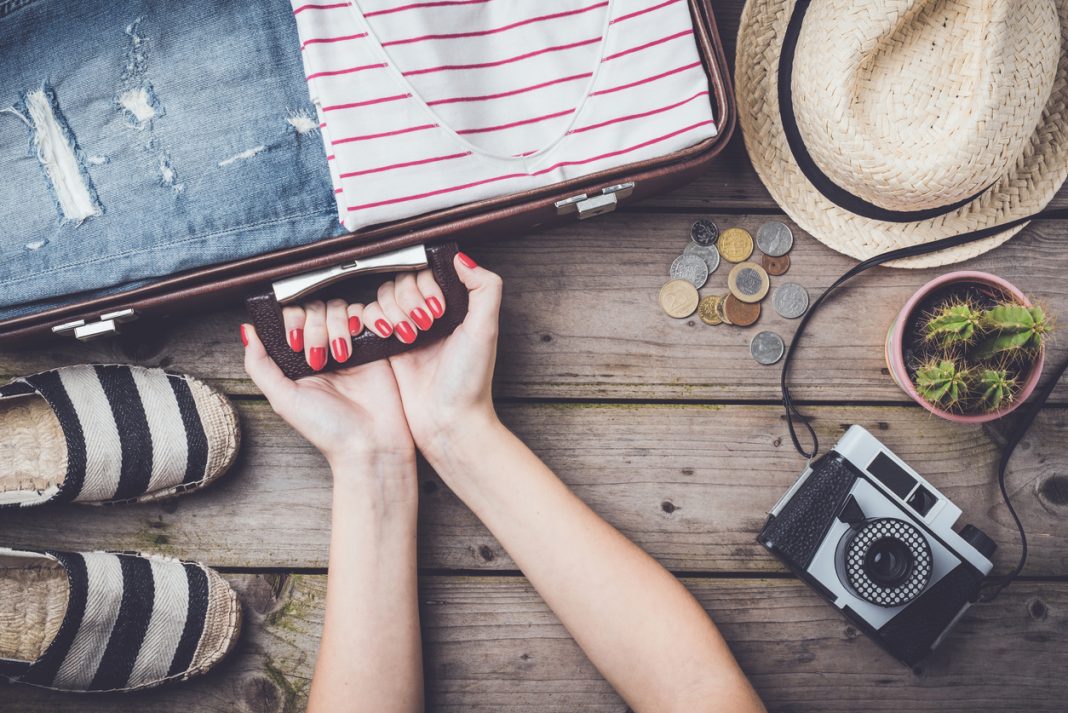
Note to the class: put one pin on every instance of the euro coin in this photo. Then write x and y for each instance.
(690, 268)
(775, 238)
(748, 282)
(766, 348)
(704, 232)
(735, 245)
(678, 298)
(790, 300)
(775, 265)
(707, 310)
(741, 313)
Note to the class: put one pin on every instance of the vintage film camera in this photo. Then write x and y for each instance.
(876, 539)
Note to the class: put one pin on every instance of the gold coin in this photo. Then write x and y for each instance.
(775, 265)
(720, 311)
(735, 244)
(741, 313)
(707, 310)
(678, 298)
(748, 282)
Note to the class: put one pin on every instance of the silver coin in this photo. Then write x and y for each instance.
(790, 300)
(690, 268)
(704, 232)
(708, 253)
(767, 348)
(775, 238)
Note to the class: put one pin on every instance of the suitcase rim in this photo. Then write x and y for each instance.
(231, 282)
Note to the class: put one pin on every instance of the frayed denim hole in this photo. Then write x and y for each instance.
(62, 161)
(139, 105)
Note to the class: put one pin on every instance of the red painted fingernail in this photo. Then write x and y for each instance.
(354, 326)
(466, 260)
(340, 347)
(435, 307)
(296, 340)
(317, 358)
(244, 337)
(383, 328)
(406, 332)
(421, 318)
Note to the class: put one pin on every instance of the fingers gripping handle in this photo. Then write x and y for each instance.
(266, 315)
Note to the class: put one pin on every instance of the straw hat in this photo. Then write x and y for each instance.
(905, 121)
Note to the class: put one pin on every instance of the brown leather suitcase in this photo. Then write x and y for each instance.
(270, 279)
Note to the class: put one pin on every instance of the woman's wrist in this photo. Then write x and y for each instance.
(356, 456)
(453, 449)
(381, 481)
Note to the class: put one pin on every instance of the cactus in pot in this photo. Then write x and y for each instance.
(968, 346)
(953, 323)
(944, 383)
(1012, 329)
(995, 389)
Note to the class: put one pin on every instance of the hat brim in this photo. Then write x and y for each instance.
(1026, 189)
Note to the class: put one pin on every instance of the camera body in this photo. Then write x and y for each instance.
(876, 539)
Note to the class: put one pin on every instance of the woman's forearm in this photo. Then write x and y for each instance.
(639, 625)
(370, 658)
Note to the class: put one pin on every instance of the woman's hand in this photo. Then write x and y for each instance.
(404, 307)
(447, 386)
(352, 415)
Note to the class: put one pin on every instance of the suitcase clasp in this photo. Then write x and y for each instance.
(107, 323)
(406, 259)
(604, 202)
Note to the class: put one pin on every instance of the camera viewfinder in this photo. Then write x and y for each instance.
(922, 501)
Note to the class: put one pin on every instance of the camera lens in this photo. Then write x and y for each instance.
(885, 561)
(888, 562)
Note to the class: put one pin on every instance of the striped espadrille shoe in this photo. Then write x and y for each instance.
(102, 621)
(111, 433)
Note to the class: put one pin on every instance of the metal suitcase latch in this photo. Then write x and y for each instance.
(406, 259)
(105, 324)
(604, 202)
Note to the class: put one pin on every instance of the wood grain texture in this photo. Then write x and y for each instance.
(690, 484)
(493, 646)
(581, 320)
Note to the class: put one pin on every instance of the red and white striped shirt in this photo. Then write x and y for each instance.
(429, 105)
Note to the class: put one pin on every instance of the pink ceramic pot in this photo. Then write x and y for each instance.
(895, 338)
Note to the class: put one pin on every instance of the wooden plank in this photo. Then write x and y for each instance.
(690, 484)
(492, 645)
(581, 320)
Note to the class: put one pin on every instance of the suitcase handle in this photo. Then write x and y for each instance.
(265, 310)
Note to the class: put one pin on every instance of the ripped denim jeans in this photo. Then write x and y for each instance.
(139, 139)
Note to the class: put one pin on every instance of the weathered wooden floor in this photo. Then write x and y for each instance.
(670, 431)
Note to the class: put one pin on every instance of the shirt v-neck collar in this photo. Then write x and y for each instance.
(528, 157)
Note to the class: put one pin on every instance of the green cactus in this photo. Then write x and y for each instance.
(995, 389)
(1012, 329)
(943, 383)
(953, 323)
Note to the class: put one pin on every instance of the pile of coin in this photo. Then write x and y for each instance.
(748, 282)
